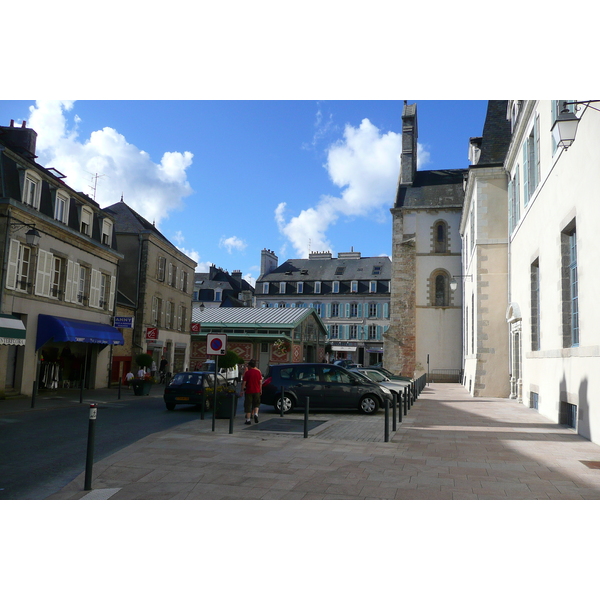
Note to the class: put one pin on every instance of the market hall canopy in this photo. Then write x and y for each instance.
(12, 331)
(59, 329)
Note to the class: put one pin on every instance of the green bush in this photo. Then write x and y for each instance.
(143, 360)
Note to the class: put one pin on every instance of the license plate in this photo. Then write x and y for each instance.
(182, 399)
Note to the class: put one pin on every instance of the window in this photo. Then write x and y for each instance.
(372, 287)
(354, 310)
(172, 275)
(531, 162)
(265, 288)
(334, 331)
(535, 305)
(340, 270)
(161, 264)
(32, 190)
(181, 318)
(156, 311)
(300, 288)
(218, 295)
(335, 309)
(102, 299)
(440, 237)
(336, 287)
(377, 270)
(61, 208)
(86, 221)
(169, 316)
(353, 332)
(317, 287)
(318, 308)
(514, 199)
(353, 287)
(57, 274)
(107, 228)
(81, 283)
(282, 287)
(184, 282)
(372, 310)
(570, 291)
(439, 291)
(372, 332)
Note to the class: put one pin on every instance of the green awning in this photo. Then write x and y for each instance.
(12, 331)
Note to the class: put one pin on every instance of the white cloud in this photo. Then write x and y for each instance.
(232, 243)
(365, 165)
(423, 156)
(154, 190)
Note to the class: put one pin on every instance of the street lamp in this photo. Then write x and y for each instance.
(454, 283)
(33, 237)
(564, 128)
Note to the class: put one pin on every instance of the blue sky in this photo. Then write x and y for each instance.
(225, 179)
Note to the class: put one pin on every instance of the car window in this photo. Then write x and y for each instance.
(335, 375)
(306, 373)
(375, 375)
(186, 378)
(286, 372)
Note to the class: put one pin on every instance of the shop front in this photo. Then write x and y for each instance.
(70, 352)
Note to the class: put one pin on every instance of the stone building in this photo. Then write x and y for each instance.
(351, 294)
(425, 313)
(157, 279)
(484, 285)
(59, 271)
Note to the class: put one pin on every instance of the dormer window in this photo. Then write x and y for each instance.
(107, 232)
(353, 287)
(372, 287)
(282, 287)
(86, 221)
(61, 207)
(336, 287)
(300, 288)
(32, 190)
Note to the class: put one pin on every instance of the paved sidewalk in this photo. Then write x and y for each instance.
(449, 446)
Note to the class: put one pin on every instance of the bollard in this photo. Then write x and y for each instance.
(202, 407)
(119, 394)
(89, 461)
(400, 405)
(306, 417)
(282, 398)
(405, 402)
(232, 414)
(395, 397)
(386, 431)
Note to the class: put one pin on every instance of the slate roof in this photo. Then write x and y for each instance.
(496, 134)
(275, 318)
(324, 269)
(442, 188)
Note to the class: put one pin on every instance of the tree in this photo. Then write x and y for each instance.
(143, 360)
(229, 359)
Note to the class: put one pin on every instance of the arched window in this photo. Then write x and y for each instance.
(440, 237)
(439, 288)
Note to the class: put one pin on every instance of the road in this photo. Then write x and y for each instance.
(42, 451)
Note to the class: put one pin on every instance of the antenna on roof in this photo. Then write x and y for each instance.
(95, 178)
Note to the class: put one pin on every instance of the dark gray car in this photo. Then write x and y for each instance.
(327, 387)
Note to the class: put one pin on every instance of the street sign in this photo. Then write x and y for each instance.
(216, 343)
(195, 327)
(123, 322)
(151, 333)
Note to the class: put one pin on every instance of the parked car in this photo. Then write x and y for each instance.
(346, 363)
(231, 374)
(190, 387)
(377, 376)
(326, 386)
(390, 375)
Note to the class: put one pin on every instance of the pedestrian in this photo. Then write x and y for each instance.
(252, 387)
(129, 377)
(153, 369)
(141, 373)
(162, 369)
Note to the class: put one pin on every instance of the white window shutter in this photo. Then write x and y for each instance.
(44, 273)
(111, 295)
(69, 281)
(13, 261)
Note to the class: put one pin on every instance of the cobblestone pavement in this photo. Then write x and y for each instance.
(449, 446)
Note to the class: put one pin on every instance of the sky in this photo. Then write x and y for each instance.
(223, 179)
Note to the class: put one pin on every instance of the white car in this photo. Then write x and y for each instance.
(232, 374)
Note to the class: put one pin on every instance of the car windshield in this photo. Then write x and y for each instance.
(385, 372)
(375, 375)
(187, 379)
(362, 376)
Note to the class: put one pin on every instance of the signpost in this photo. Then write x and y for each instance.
(216, 344)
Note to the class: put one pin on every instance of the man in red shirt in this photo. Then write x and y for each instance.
(252, 387)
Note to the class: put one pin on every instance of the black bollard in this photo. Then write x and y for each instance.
(119, 394)
(89, 461)
(405, 402)
(386, 433)
(232, 415)
(395, 401)
(306, 417)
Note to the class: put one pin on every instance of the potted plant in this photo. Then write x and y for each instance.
(226, 393)
(142, 385)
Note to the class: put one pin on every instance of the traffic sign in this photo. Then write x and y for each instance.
(216, 343)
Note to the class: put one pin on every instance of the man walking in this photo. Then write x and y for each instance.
(252, 387)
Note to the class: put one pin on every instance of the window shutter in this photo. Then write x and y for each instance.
(328, 310)
(69, 287)
(525, 175)
(13, 260)
(94, 288)
(511, 206)
(536, 151)
(111, 295)
(359, 310)
(378, 332)
(366, 309)
(386, 310)
(378, 311)
(44, 273)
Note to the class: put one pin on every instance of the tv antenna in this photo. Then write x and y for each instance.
(95, 178)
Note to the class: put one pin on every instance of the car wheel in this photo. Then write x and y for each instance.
(368, 405)
(288, 404)
(170, 405)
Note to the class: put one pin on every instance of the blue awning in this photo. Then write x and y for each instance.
(59, 329)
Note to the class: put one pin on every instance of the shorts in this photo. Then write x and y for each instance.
(251, 401)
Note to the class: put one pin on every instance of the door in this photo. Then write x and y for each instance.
(339, 391)
(306, 382)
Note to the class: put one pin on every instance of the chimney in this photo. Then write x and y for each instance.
(237, 275)
(268, 262)
(21, 140)
(408, 158)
